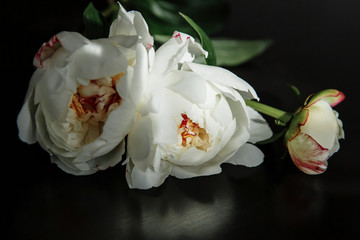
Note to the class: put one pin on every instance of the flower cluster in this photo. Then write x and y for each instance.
(182, 118)
(93, 103)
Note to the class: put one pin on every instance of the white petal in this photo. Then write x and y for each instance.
(131, 24)
(139, 78)
(242, 134)
(100, 58)
(177, 50)
(111, 159)
(223, 77)
(247, 155)
(123, 25)
(195, 157)
(89, 167)
(72, 41)
(69, 167)
(145, 179)
(117, 126)
(195, 171)
(42, 135)
(173, 104)
(222, 112)
(142, 30)
(189, 85)
(25, 119)
(259, 128)
(164, 128)
(140, 142)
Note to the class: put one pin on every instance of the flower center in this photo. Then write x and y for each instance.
(92, 104)
(192, 135)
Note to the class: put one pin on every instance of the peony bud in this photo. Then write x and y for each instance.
(314, 132)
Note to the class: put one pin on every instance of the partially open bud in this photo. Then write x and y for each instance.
(314, 132)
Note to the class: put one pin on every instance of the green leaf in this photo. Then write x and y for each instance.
(96, 25)
(111, 12)
(205, 41)
(232, 52)
(162, 16)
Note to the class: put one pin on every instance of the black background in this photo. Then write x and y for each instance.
(316, 46)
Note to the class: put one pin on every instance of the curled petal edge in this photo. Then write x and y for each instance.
(331, 96)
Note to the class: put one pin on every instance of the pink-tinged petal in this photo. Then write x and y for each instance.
(46, 51)
(71, 41)
(308, 155)
(331, 96)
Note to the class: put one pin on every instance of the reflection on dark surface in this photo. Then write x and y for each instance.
(240, 202)
(195, 213)
(103, 206)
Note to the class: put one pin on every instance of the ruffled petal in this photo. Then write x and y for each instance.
(195, 171)
(72, 41)
(123, 24)
(140, 142)
(247, 155)
(131, 23)
(189, 85)
(241, 134)
(100, 58)
(259, 128)
(146, 178)
(177, 50)
(222, 77)
(25, 120)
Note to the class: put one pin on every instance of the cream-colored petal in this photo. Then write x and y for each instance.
(322, 124)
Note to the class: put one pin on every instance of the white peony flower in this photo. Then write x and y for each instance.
(82, 98)
(314, 132)
(192, 118)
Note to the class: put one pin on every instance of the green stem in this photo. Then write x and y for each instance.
(270, 111)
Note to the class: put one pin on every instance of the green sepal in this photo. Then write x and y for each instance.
(331, 96)
(299, 119)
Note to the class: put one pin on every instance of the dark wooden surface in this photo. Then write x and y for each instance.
(316, 46)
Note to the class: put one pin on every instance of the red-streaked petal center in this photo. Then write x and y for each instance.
(92, 104)
(192, 135)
